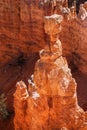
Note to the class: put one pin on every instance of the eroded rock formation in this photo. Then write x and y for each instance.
(22, 32)
(50, 101)
(22, 36)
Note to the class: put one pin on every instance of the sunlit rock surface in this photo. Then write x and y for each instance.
(22, 32)
(50, 100)
(22, 36)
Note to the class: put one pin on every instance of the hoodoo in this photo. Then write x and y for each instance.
(50, 101)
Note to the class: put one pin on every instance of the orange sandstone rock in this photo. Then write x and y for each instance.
(52, 103)
(22, 33)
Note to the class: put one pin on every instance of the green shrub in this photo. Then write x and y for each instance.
(3, 108)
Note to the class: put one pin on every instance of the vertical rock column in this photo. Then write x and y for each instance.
(54, 80)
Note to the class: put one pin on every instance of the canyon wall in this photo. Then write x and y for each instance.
(74, 43)
(21, 30)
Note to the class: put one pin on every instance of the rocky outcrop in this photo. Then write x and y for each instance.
(50, 101)
(22, 36)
